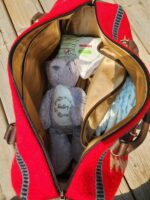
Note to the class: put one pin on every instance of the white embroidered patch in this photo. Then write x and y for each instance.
(62, 103)
(88, 55)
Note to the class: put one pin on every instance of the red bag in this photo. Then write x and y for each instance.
(98, 173)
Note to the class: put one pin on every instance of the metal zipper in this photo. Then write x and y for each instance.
(62, 195)
(93, 2)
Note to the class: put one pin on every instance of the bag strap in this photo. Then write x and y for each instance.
(131, 45)
(36, 17)
(143, 133)
(10, 135)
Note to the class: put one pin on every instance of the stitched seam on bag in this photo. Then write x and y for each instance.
(25, 176)
(100, 195)
(117, 22)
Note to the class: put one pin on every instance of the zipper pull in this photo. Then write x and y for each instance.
(62, 196)
(93, 1)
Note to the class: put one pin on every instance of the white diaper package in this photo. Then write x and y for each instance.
(83, 51)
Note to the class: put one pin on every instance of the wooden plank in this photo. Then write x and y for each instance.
(144, 55)
(124, 192)
(5, 93)
(138, 171)
(2, 196)
(47, 4)
(6, 156)
(6, 29)
(7, 35)
(21, 12)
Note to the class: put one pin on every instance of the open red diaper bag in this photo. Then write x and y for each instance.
(99, 171)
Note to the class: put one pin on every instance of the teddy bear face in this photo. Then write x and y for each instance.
(62, 71)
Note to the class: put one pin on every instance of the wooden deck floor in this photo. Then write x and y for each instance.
(15, 17)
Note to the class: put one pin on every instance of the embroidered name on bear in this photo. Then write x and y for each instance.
(63, 102)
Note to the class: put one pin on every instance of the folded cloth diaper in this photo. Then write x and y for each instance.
(120, 108)
(83, 51)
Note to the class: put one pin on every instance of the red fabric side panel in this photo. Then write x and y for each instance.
(124, 30)
(64, 6)
(83, 185)
(106, 14)
(41, 185)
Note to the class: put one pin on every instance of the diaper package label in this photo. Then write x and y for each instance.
(84, 51)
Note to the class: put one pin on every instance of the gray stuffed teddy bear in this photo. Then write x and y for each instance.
(61, 113)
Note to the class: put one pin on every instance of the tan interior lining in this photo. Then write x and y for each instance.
(83, 22)
(19, 54)
(40, 48)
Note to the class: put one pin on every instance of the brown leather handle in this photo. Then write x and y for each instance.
(142, 135)
(139, 140)
(10, 135)
(124, 146)
(36, 17)
(131, 45)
